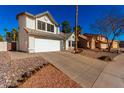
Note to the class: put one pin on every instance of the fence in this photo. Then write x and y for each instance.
(3, 46)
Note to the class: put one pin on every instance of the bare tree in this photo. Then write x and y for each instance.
(111, 25)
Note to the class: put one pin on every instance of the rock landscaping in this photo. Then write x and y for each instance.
(30, 70)
(14, 72)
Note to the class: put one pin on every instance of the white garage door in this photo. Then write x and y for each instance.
(46, 45)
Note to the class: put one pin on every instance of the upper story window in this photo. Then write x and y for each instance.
(41, 25)
(50, 27)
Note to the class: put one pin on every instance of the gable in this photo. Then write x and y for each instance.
(40, 16)
(72, 37)
(46, 18)
(49, 16)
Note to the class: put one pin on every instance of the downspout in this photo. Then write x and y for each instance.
(35, 23)
(35, 30)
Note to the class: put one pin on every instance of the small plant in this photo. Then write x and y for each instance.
(105, 58)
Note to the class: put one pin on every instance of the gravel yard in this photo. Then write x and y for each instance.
(49, 77)
(13, 71)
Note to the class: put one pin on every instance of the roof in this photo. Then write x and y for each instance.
(114, 40)
(91, 35)
(104, 42)
(67, 34)
(39, 15)
(43, 34)
(83, 36)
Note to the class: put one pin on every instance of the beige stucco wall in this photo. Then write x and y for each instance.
(92, 43)
(23, 36)
(103, 46)
(115, 44)
(30, 22)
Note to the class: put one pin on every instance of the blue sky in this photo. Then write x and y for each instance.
(87, 14)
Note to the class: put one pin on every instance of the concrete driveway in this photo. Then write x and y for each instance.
(83, 70)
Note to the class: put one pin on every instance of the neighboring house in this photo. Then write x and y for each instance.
(82, 41)
(121, 44)
(92, 41)
(115, 44)
(70, 40)
(38, 33)
(96, 41)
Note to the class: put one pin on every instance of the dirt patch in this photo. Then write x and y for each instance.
(49, 77)
(97, 54)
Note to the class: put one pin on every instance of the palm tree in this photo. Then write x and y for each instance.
(14, 34)
(65, 29)
(5, 30)
(79, 29)
(1, 38)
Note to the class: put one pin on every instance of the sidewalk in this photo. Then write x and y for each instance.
(113, 74)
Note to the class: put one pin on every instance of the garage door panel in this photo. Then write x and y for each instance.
(46, 45)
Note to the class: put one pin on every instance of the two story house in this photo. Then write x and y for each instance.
(38, 33)
(41, 33)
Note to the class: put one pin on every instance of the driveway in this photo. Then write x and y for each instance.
(113, 74)
(83, 70)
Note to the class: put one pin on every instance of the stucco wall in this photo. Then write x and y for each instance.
(115, 44)
(3, 46)
(23, 36)
(30, 23)
(71, 38)
(103, 46)
(31, 44)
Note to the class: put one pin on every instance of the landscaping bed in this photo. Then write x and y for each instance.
(99, 54)
(49, 77)
(14, 72)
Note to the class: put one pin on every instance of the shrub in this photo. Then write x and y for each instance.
(105, 58)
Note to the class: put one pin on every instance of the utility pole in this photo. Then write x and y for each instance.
(76, 25)
(65, 40)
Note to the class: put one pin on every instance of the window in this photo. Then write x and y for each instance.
(73, 43)
(73, 36)
(69, 43)
(50, 27)
(41, 25)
